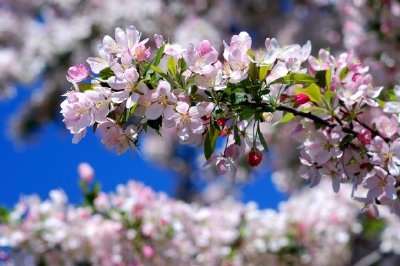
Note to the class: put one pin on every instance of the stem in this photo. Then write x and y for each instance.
(374, 132)
(313, 117)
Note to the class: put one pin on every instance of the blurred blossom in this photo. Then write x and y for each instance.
(138, 226)
(86, 172)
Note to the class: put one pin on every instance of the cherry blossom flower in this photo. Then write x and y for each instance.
(380, 183)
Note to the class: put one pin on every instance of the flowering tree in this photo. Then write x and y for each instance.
(136, 226)
(251, 100)
(345, 136)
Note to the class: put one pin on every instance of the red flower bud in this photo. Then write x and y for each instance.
(364, 137)
(255, 157)
(301, 99)
(221, 122)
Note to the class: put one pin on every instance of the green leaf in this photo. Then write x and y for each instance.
(287, 118)
(328, 79)
(329, 95)
(311, 91)
(253, 73)
(157, 69)
(171, 64)
(320, 76)
(343, 73)
(392, 95)
(156, 60)
(250, 53)
(263, 72)
(236, 135)
(106, 73)
(315, 110)
(295, 78)
(159, 54)
(261, 137)
(346, 141)
(373, 227)
(4, 215)
(381, 103)
(182, 65)
(210, 141)
(247, 113)
(85, 87)
(155, 124)
(237, 98)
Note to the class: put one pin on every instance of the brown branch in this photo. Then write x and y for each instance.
(314, 118)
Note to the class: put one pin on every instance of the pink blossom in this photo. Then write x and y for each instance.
(100, 98)
(125, 83)
(148, 251)
(323, 61)
(387, 127)
(99, 63)
(162, 102)
(236, 57)
(78, 73)
(383, 153)
(86, 172)
(188, 119)
(159, 40)
(114, 137)
(225, 164)
(365, 136)
(77, 111)
(200, 61)
(380, 183)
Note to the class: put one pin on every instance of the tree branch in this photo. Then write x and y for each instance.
(314, 118)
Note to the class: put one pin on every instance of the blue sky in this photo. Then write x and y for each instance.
(52, 160)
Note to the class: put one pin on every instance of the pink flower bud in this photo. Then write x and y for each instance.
(148, 251)
(232, 151)
(78, 73)
(159, 40)
(365, 137)
(86, 172)
(301, 99)
(355, 77)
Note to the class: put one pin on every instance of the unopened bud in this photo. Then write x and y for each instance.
(221, 122)
(86, 172)
(267, 116)
(255, 157)
(365, 137)
(301, 99)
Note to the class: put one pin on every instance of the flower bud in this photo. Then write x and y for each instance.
(267, 116)
(159, 40)
(364, 137)
(301, 98)
(221, 122)
(86, 172)
(255, 157)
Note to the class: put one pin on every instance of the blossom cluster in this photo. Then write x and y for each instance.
(71, 30)
(136, 226)
(348, 132)
(371, 29)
